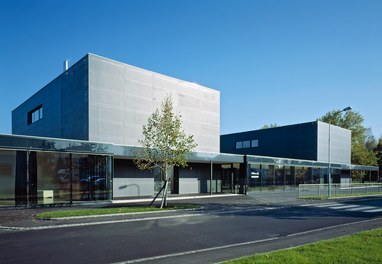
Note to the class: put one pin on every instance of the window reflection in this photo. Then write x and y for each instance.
(63, 177)
(7, 177)
(53, 177)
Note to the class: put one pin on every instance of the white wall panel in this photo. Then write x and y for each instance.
(136, 93)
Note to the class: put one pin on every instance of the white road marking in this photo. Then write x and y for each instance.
(361, 208)
(317, 204)
(374, 210)
(328, 205)
(240, 244)
(344, 206)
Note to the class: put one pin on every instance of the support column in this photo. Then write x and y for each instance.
(211, 176)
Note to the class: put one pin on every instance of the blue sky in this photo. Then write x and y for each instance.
(274, 61)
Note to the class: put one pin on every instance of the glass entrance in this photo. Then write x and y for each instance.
(230, 178)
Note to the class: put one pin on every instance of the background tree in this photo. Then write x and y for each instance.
(272, 125)
(362, 140)
(378, 152)
(164, 145)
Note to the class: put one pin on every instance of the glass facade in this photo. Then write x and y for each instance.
(37, 170)
(266, 177)
(38, 177)
(72, 177)
(7, 177)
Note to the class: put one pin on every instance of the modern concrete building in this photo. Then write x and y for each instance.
(308, 141)
(99, 103)
(75, 139)
(102, 100)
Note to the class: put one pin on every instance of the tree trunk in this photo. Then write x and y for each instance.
(156, 196)
(164, 197)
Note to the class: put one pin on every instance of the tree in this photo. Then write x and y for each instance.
(164, 145)
(362, 143)
(378, 152)
(272, 125)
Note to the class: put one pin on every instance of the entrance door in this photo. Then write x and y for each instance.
(229, 180)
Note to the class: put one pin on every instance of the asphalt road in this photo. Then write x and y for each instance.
(216, 233)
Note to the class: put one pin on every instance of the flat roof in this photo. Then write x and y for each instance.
(22, 142)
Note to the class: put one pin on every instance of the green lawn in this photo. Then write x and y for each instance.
(364, 247)
(106, 211)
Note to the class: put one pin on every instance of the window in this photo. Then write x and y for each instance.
(35, 115)
(246, 144)
(255, 143)
(239, 144)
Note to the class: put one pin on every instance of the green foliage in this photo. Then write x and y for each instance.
(378, 152)
(360, 248)
(361, 138)
(108, 211)
(94, 211)
(272, 125)
(164, 143)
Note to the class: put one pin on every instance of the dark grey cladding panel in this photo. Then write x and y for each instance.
(295, 141)
(64, 103)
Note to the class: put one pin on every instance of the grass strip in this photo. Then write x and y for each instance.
(361, 248)
(111, 210)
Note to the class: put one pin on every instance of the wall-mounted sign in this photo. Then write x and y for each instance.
(255, 175)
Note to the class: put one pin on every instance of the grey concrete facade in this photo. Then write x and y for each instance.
(340, 145)
(102, 100)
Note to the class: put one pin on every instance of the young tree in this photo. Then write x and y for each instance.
(164, 145)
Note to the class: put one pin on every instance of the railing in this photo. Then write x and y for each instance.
(338, 190)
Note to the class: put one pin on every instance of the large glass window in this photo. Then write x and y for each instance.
(7, 177)
(317, 177)
(269, 172)
(91, 175)
(64, 177)
(289, 175)
(53, 177)
(254, 180)
(303, 175)
(279, 175)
